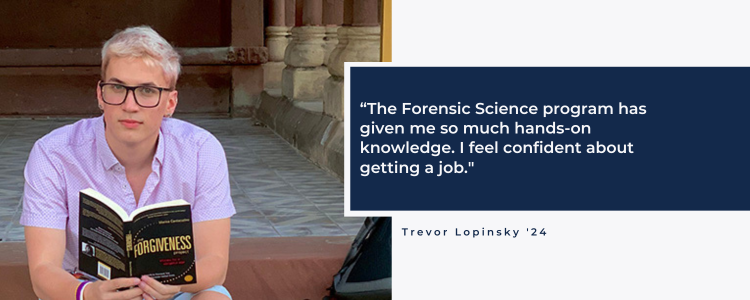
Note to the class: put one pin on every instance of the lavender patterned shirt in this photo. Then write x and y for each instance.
(189, 164)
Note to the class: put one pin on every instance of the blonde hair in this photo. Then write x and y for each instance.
(143, 42)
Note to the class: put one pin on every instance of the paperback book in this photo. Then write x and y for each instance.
(154, 240)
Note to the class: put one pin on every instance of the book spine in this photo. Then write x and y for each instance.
(129, 246)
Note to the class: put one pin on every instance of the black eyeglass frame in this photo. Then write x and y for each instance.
(129, 89)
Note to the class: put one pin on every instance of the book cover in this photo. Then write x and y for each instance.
(155, 240)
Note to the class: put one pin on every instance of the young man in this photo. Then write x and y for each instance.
(136, 155)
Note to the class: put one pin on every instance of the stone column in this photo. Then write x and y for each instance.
(333, 17)
(290, 7)
(365, 13)
(247, 80)
(303, 78)
(277, 34)
(359, 40)
(290, 11)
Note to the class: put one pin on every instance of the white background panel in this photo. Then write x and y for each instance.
(585, 255)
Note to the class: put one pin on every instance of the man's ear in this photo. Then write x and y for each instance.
(99, 95)
(172, 102)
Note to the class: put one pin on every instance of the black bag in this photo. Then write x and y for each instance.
(366, 273)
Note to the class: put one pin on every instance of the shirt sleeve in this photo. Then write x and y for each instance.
(44, 203)
(213, 197)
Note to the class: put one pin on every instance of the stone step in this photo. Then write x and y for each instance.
(259, 268)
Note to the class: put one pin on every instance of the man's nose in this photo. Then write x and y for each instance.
(130, 103)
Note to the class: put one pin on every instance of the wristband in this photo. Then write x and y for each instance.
(79, 291)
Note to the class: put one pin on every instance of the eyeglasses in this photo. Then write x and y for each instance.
(145, 96)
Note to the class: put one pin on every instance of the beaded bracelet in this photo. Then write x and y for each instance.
(79, 291)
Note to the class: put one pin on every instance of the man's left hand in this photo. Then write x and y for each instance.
(155, 290)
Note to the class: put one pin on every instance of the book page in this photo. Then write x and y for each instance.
(157, 205)
(117, 209)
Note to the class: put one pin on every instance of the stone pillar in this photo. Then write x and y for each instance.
(365, 13)
(290, 12)
(359, 40)
(348, 11)
(277, 34)
(333, 17)
(291, 16)
(303, 78)
(247, 80)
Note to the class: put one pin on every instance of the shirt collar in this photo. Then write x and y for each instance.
(108, 158)
(159, 155)
(102, 148)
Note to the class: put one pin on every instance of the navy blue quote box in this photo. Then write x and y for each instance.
(690, 150)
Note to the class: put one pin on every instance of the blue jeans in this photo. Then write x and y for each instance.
(215, 288)
(188, 296)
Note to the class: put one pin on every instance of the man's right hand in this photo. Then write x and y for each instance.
(108, 290)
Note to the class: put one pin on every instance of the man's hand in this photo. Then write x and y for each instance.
(107, 289)
(155, 290)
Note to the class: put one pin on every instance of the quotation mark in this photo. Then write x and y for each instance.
(363, 104)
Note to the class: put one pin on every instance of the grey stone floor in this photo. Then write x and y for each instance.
(276, 191)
